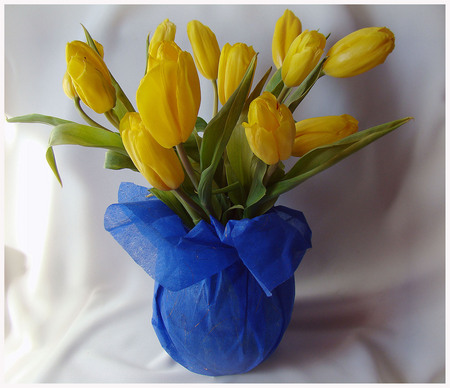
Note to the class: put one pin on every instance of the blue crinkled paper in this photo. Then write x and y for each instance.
(223, 294)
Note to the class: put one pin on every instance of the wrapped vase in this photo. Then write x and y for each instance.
(223, 295)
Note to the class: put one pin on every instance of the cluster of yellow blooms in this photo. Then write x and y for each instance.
(168, 96)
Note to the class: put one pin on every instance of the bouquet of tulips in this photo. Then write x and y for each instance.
(214, 183)
(232, 166)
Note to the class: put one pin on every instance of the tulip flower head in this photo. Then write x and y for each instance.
(160, 166)
(287, 28)
(206, 49)
(233, 63)
(90, 77)
(302, 56)
(359, 52)
(164, 32)
(168, 97)
(320, 131)
(270, 129)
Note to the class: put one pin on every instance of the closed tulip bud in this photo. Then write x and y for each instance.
(303, 55)
(270, 129)
(168, 97)
(68, 88)
(90, 77)
(359, 52)
(287, 28)
(320, 131)
(164, 32)
(205, 47)
(233, 63)
(160, 166)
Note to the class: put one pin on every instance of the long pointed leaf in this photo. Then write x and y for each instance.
(257, 190)
(275, 84)
(50, 156)
(117, 161)
(86, 136)
(323, 157)
(300, 93)
(39, 119)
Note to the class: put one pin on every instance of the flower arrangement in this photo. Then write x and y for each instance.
(214, 184)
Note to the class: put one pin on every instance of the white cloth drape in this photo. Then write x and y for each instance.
(370, 294)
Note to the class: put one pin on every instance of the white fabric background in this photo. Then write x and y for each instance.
(370, 294)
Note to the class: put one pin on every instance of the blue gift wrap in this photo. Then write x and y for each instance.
(223, 294)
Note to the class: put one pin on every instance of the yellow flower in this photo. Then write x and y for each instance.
(319, 131)
(160, 166)
(233, 63)
(164, 32)
(205, 47)
(168, 97)
(68, 88)
(287, 28)
(359, 52)
(90, 77)
(302, 56)
(270, 129)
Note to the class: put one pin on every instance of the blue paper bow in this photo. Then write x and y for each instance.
(271, 246)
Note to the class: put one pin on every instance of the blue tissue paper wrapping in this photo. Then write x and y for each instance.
(223, 294)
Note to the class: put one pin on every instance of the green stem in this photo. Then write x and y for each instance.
(283, 94)
(216, 97)
(187, 165)
(112, 118)
(85, 116)
(192, 204)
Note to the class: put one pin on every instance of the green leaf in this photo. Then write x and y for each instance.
(86, 136)
(257, 190)
(117, 161)
(38, 118)
(218, 132)
(236, 210)
(275, 85)
(200, 125)
(324, 157)
(240, 157)
(300, 93)
(50, 156)
(77, 134)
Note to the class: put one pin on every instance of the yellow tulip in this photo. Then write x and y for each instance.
(68, 88)
(270, 129)
(302, 56)
(359, 52)
(164, 32)
(160, 166)
(233, 63)
(90, 77)
(168, 97)
(206, 49)
(287, 28)
(319, 131)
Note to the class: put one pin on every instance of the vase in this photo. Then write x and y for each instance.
(223, 295)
